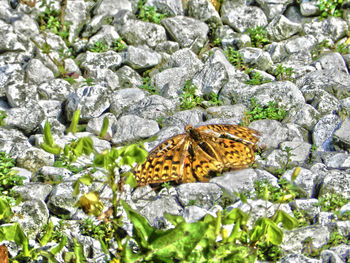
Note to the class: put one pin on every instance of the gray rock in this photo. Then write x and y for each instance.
(9, 40)
(281, 28)
(236, 182)
(106, 35)
(285, 92)
(95, 125)
(333, 27)
(296, 50)
(294, 240)
(31, 215)
(37, 73)
(19, 94)
(111, 7)
(306, 116)
(75, 14)
(194, 213)
(11, 137)
(309, 8)
(331, 61)
(128, 78)
(184, 58)
(337, 161)
(52, 108)
(323, 131)
(55, 174)
(297, 133)
(330, 256)
(342, 251)
(263, 176)
(170, 82)
(298, 258)
(173, 7)
(152, 107)
(308, 207)
(299, 151)
(93, 26)
(203, 10)
(256, 58)
(124, 98)
(188, 32)
(259, 208)
(163, 135)
(62, 202)
(154, 211)
(272, 132)
(243, 17)
(325, 218)
(32, 191)
(96, 64)
(183, 118)
(231, 38)
(227, 112)
(136, 33)
(321, 100)
(33, 159)
(273, 8)
(91, 100)
(130, 128)
(203, 195)
(141, 57)
(214, 74)
(341, 136)
(26, 118)
(56, 89)
(335, 182)
(168, 47)
(345, 106)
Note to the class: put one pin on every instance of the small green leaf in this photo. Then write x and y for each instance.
(78, 252)
(104, 128)
(130, 180)
(288, 222)
(60, 246)
(46, 238)
(174, 219)
(86, 179)
(142, 229)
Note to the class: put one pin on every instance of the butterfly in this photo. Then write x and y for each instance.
(198, 153)
(4, 258)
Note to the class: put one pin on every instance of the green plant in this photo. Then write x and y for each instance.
(217, 42)
(103, 231)
(52, 233)
(258, 36)
(286, 153)
(197, 242)
(214, 99)
(49, 144)
(3, 115)
(99, 47)
(235, 58)
(256, 78)
(53, 20)
(148, 13)
(119, 45)
(258, 112)
(148, 86)
(283, 73)
(331, 202)
(104, 128)
(8, 177)
(73, 128)
(286, 192)
(89, 81)
(188, 98)
(330, 8)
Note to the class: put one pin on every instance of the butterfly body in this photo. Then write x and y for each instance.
(198, 153)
